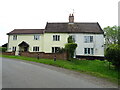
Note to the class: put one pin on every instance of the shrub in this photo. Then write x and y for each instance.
(70, 47)
(70, 39)
(62, 50)
(112, 55)
(3, 49)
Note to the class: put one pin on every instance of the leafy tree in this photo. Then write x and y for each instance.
(111, 35)
(112, 54)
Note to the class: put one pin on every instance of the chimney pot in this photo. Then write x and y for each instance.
(71, 18)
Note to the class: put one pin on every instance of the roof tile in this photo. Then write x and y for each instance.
(27, 31)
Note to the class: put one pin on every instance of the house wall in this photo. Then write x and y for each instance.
(28, 38)
(45, 43)
(98, 44)
(49, 43)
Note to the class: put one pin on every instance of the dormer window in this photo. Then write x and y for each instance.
(14, 37)
(36, 37)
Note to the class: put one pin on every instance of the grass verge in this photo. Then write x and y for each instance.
(93, 67)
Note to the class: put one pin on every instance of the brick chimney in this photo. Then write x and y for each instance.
(71, 18)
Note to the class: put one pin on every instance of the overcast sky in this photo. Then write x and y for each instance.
(33, 14)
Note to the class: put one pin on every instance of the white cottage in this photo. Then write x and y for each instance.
(88, 36)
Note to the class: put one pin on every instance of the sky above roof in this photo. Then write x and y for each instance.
(34, 14)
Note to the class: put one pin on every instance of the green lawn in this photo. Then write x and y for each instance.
(93, 67)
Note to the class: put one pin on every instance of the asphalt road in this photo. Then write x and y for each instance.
(24, 74)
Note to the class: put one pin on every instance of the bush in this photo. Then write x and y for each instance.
(70, 47)
(62, 50)
(3, 49)
(112, 54)
(70, 39)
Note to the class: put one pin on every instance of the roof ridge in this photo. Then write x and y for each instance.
(29, 29)
(68, 22)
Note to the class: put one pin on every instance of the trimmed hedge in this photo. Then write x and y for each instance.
(70, 47)
(3, 49)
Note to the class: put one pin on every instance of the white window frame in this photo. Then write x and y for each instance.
(89, 51)
(36, 49)
(14, 48)
(56, 37)
(14, 37)
(36, 37)
(54, 49)
(88, 39)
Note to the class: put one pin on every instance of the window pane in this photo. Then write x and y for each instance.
(85, 39)
(52, 49)
(33, 48)
(88, 50)
(56, 49)
(58, 38)
(14, 37)
(85, 50)
(36, 37)
(91, 38)
(92, 51)
(38, 48)
(53, 38)
(15, 48)
(88, 39)
(12, 48)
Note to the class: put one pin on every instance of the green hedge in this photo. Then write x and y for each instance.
(70, 47)
(3, 49)
(112, 54)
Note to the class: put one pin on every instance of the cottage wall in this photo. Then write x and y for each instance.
(97, 44)
(29, 39)
(49, 43)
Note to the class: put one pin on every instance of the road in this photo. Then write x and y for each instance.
(24, 74)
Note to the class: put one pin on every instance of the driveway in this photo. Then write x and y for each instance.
(25, 74)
